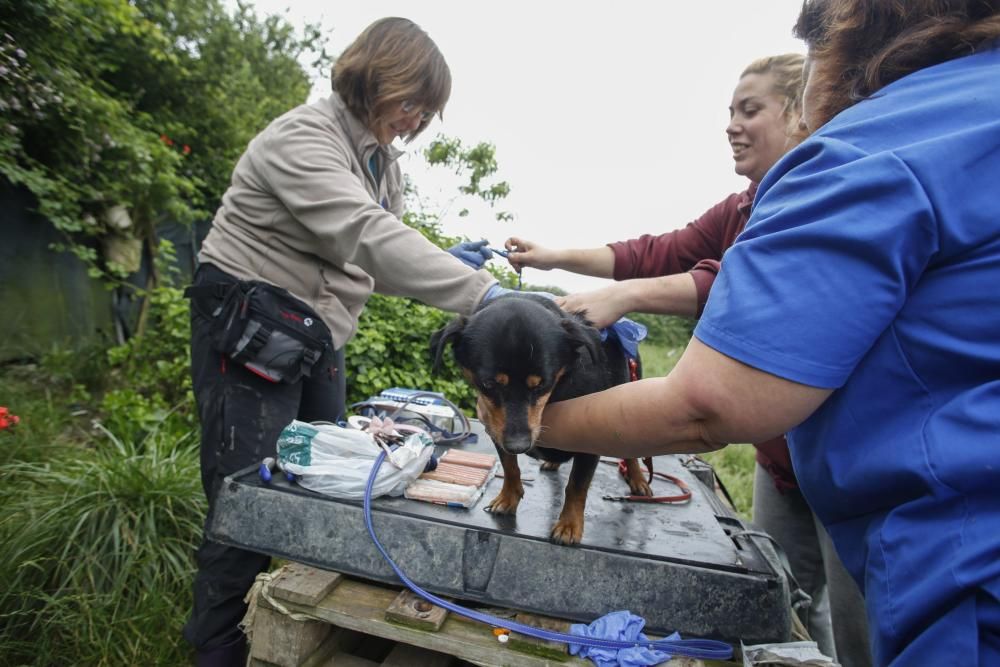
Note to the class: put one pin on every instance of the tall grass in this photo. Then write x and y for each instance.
(97, 547)
(735, 464)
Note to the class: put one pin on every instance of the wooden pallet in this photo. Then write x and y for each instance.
(305, 617)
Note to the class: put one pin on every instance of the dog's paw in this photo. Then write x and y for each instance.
(567, 532)
(504, 503)
(548, 466)
(640, 487)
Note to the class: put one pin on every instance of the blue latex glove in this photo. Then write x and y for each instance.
(629, 334)
(621, 625)
(472, 253)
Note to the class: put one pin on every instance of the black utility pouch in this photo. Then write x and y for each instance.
(266, 329)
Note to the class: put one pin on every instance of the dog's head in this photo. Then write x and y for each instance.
(515, 350)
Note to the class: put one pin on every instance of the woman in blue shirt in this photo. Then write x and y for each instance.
(860, 312)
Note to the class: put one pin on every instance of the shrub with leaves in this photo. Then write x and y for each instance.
(144, 105)
(150, 374)
(392, 349)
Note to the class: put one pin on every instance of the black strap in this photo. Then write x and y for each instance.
(218, 290)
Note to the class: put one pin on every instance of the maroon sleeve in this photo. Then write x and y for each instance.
(698, 248)
(706, 238)
(775, 458)
(704, 273)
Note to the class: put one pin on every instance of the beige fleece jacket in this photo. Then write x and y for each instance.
(303, 212)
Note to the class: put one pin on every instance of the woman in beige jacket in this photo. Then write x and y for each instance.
(308, 229)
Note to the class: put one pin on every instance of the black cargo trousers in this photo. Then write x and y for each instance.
(241, 416)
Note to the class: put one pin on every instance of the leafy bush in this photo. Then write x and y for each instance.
(392, 349)
(144, 104)
(150, 374)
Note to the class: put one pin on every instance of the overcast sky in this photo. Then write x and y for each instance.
(608, 117)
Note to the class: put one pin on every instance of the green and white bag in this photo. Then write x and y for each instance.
(337, 461)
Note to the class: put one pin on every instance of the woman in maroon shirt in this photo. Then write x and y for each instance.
(672, 274)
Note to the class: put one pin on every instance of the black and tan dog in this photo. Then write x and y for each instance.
(521, 351)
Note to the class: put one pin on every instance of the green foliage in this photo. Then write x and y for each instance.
(735, 466)
(478, 162)
(82, 367)
(97, 547)
(392, 349)
(150, 374)
(658, 360)
(667, 330)
(143, 104)
(46, 407)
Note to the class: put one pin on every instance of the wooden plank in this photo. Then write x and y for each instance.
(302, 584)
(412, 610)
(540, 647)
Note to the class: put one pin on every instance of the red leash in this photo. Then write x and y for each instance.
(683, 497)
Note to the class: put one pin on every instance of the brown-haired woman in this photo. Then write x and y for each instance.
(311, 220)
(858, 313)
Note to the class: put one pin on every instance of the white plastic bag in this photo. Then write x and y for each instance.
(337, 461)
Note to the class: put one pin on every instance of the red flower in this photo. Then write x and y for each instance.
(7, 419)
(187, 149)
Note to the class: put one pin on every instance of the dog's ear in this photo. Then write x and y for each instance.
(450, 333)
(583, 338)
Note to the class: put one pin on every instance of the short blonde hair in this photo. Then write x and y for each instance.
(391, 62)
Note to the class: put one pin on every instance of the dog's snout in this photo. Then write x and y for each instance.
(517, 444)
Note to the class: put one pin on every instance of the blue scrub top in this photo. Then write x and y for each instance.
(872, 267)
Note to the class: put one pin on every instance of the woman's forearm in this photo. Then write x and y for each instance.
(633, 420)
(668, 295)
(599, 262)
(708, 400)
(675, 294)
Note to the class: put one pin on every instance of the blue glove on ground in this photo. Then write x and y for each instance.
(620, 625)
(472, 253)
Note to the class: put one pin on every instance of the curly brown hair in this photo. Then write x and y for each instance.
(857, 47)
(391, 62)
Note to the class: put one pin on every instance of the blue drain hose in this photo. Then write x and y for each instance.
(706, 649)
